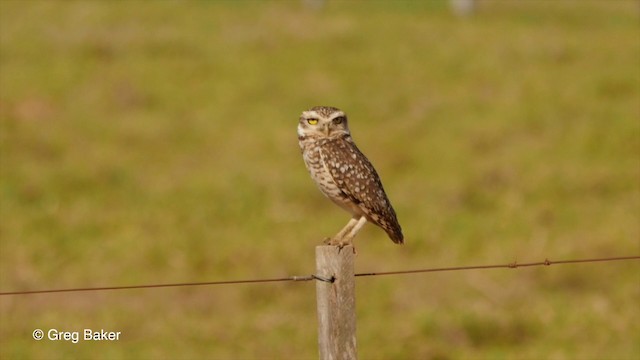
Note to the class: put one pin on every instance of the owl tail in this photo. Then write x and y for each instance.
(395, 234)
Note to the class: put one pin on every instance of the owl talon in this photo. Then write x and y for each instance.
(341, 244)
(331, 241)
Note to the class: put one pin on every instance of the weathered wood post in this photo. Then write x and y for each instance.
(336, 303)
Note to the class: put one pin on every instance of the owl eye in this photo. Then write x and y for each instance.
(312, 121)
(339, 120)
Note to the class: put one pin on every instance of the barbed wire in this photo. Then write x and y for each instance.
(512, 265)
(289, 278)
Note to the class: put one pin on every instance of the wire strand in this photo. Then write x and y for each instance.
(291, 278)
(513, 265)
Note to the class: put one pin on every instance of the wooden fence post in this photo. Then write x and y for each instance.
(336, 303)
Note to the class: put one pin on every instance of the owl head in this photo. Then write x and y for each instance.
(323, 121)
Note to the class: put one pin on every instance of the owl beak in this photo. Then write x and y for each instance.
(326, 129)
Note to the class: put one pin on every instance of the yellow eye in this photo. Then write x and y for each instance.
(312, 121)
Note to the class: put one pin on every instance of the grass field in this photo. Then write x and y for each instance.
(155, 142)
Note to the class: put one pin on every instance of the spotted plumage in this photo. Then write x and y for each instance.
(344, 174)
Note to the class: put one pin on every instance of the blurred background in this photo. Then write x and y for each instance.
(155, 142)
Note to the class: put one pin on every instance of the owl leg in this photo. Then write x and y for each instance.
(353, 230)
(338, 238)
(352, 222)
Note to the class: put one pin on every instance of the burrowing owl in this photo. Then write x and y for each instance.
(344, 174)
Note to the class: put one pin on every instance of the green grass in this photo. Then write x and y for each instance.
(154, 142)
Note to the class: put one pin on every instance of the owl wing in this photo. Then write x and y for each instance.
(359, 181)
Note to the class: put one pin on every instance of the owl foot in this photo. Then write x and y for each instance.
(341, 243)
(355, 252)
(338, 242)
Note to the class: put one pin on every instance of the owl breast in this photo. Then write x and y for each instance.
(319, 169)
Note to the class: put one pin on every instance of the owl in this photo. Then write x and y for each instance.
(344, 174)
